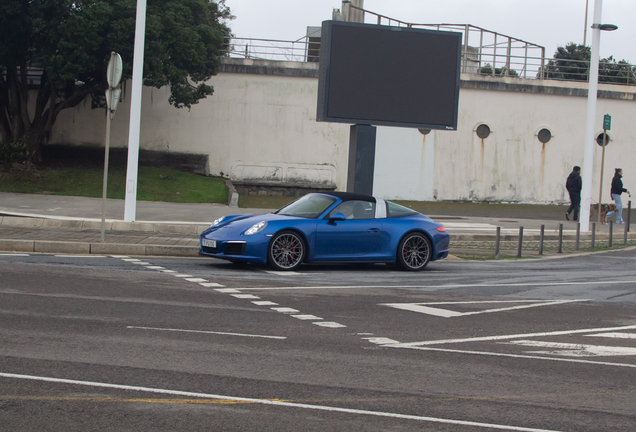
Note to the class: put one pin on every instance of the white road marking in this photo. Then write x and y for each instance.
(306, 317)
(575, 350)
(265, 303)
(210, 284)
(615, 335)
(423, 308)
(179, 275)
(198, 280)
(283, 273)
(498, 354)
(80, 256)
(168, 271)
(130, 259)
(273, 403)
(381, 340)
(514, 336)
(227, 290)
(155, 267)
(13, 254)
(245, 296)
(119, 256)
(479, 285)
(285, 310)
(329, 324)
(208, 332)
(143, 263)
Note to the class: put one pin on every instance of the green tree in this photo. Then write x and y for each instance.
(67, 44)
(611, 71)
(571, 63)
(504, 71)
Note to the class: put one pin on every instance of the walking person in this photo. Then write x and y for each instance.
(617, 190)
(573, 185)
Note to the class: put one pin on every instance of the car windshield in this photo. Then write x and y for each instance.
(310, 206)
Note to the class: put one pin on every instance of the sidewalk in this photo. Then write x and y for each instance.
(61, 224)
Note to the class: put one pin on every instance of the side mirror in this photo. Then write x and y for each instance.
(337, 217)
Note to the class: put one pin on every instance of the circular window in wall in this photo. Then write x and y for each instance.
(544, 135)
(483, 131)
(599, 139)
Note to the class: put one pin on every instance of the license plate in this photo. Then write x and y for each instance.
(208, 243)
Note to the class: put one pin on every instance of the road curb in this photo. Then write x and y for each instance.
(17, 245)
(82, 248)
(165, 228)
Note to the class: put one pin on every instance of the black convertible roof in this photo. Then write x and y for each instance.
(348, 196)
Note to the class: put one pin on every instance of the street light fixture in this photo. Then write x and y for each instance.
(588, 154)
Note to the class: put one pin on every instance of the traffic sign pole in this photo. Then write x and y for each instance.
(113, 77)
(607, 124)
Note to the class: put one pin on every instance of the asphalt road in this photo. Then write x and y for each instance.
(161, 344)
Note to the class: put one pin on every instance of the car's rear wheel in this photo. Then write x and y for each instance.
(286, 251)
(414, 252)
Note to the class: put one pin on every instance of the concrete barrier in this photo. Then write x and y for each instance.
(97, 225)
(43, 246)
(22, 221)
(67, 224)
(17, 245)
(176, 229)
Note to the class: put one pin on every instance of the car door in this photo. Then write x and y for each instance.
(349, 239)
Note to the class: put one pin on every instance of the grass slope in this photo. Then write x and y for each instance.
(155, 184)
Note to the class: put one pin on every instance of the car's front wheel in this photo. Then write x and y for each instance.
(414, 252)
(286, 251)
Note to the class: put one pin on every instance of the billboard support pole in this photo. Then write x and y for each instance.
(361, 159)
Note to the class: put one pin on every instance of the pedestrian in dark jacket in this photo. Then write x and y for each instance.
(617, 190)
(573, 185)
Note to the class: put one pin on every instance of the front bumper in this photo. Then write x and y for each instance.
(252, 250)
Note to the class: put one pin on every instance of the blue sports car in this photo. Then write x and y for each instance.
(328, 227)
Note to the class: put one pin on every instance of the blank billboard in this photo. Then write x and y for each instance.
(388, 76)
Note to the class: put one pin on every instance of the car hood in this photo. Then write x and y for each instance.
(241, 222)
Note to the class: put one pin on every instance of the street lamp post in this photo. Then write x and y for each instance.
(588, 155)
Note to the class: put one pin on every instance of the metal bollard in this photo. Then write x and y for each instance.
(497, 241)
(611, 227)
(560, 238)
(593, 234)
(578, 236)
(541, 236)
(520, 242)
(625, 234)
(629, 212)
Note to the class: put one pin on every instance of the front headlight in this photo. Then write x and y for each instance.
(217, 221)
(256, 228)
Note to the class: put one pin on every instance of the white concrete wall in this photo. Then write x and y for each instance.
(404, 164)
(512, 164)
(260, 120)
(249, 120)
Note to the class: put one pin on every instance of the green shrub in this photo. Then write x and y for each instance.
(14, 152)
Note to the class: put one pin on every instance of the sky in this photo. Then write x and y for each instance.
(549, 23)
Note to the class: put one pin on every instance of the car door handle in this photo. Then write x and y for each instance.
(373, 230)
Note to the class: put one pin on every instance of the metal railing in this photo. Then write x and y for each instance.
(301, 50)
(484, 52)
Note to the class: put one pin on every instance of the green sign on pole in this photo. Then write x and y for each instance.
(607, 122)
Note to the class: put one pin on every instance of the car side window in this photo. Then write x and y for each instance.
(355, 209)
(396, 210)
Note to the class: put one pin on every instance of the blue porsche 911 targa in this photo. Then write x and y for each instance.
(329, 227)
